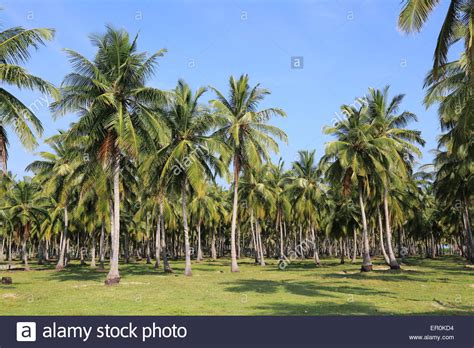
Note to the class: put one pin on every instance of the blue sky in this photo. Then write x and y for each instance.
(347, 46)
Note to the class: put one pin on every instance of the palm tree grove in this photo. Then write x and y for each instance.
(177, 200)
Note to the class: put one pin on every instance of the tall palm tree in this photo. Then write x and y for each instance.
(114, 104)
(388, 122)
(306, 191)
(193, 154)
(56, 173)
(15, 45)
(358, 157)
(246, 131)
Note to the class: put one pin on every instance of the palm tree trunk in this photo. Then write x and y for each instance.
(341, 247)
(354, 252)
(164, 252)
(2, 249)
(26, 234)
(259, 242)
(468, 230)
(213, 245)
(282, 254)
(157, 243)
(187, 249)
(366, 262)
(233, 254)
(93, 262)
(199, 252)
(315, 246)
(254, 238)
(113, 277)
(102, 245)
(62, 248)
(238, 241)
(388, 232)
(382, 246)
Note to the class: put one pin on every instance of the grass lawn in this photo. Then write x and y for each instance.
(444, 286)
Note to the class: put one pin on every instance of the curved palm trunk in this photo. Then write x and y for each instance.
(199, 252)
(382, 246)
(388, 232)
(62, 248)
(187, 249)
(366, 262)
(113, 277)
(233, 253)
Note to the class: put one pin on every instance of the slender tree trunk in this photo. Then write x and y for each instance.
(341, 247)
(388, 232)
(254, 237)
(354, 252)
(93, 261)
(62, 248)
(238, 241)
(468, 230)
(10, 255)
(259, 242)
(213, 245)
(164, 252)
(279, 224)
(2, 249)
(26, 234)
(315, 246)
(382, 246)
(233, 253)
(157, 243)
(46, 250)
(366, 262)
(187, 249)
(113, 277)
(102, 246)
(199, 252)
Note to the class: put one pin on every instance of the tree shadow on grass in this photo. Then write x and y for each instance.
(382, 275)
(297, 288)
(348, 308)
(320, 308)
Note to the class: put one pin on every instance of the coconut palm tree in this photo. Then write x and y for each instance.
(28, 209)
(193, 155)
(306, 192)
(259, 199)
(56, 172)
(359, 158)
(457, 26)
(114, 104)
(278, 179)
(389, 123)
(15, 45)
(246, 131)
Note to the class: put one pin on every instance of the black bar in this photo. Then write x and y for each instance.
(251, 331)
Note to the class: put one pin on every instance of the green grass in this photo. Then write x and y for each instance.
(443, 286)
